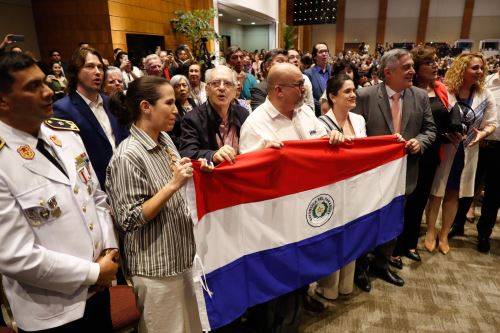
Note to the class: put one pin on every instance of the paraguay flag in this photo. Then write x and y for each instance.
(279, 219)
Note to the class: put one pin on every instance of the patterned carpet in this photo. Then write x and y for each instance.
(459, 292)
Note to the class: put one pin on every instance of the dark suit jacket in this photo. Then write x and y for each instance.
(74, 108)
(199, 129)
(313, 75)
(259, 94)
(417, 121)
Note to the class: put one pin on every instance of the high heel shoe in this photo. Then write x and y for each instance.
(444, 248)
(430, 246)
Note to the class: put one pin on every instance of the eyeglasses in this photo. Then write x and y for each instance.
(293, 57)
(298, 84)
(217, 83)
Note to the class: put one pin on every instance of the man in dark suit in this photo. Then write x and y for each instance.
(259, 91)
(395, 107)
(319, 74)
(88, 109)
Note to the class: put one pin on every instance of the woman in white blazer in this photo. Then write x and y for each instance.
(341, 94)
(454, 177)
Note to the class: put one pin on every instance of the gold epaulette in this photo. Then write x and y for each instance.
(62, 124)
(2, 143)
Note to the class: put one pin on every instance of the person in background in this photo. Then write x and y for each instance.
(198, 87)
(294, 58)
(113, 81)
(153, 65)
(184, 104)
(129, 72)
(234, 57)
(319, 74)
(56, 81)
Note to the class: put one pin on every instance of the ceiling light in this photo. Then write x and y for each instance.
(253, 23)
(220, 14)
(239, 20)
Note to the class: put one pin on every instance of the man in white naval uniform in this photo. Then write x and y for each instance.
(57, 242)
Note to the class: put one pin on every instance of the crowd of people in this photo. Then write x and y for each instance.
(94, 155)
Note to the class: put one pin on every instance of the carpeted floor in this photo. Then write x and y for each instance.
(459, 292)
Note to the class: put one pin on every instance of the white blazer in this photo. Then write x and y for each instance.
(357, 121)
(52, 227)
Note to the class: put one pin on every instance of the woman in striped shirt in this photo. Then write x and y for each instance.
(143, 181)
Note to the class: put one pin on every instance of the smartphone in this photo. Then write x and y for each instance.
(17, 38)
(125, 57)
(169, 51)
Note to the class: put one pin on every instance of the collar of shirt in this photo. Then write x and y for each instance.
(321, 71)
(391, 92)
(274, 113)
(14, 137)
(146, 140)
(90, 103)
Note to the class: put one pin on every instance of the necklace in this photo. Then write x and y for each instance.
(172, 159)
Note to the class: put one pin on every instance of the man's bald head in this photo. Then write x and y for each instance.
(282, 73)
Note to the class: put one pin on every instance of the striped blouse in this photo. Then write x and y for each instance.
(163, 246)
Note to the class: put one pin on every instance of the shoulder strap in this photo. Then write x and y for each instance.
(61, 124)
(330, 124)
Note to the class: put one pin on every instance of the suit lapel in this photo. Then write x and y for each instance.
(383, 104)
(87, 113)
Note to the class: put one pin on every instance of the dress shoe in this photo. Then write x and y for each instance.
(456, 230)
(312, 305)
(396, 262)
(483, 244)
(320, 291)
(362, 280)
(413, 255)
(387, 275)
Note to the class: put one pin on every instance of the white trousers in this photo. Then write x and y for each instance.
(167, 304)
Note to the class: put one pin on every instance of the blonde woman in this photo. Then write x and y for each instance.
(454, 177)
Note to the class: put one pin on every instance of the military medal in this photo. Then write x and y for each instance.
(33, 216)
(55, 140)
(55, 211)
(82, 163)
(26, 152)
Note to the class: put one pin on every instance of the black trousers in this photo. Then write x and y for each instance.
(381, 255)
(417, 200)
(487, 168)
(96, 318)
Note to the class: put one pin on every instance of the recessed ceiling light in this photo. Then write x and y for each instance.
(253, 23)
(220, 14)
(239, 20)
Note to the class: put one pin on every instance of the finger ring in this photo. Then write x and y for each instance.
(189, 169)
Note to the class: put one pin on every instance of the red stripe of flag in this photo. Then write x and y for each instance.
(298, 166)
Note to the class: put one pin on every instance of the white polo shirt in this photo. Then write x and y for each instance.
(266, 124)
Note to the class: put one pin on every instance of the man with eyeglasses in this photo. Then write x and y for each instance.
(294, 58)
(212, 130)
(88, 109)
(283, 116)
(235, 57)
(319, 73)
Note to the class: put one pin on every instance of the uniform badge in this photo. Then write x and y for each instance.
(55, 210)
(36, 215)
(55, 140)
(2, 143)
(26, 152)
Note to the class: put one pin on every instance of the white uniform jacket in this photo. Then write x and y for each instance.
(52, 228)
